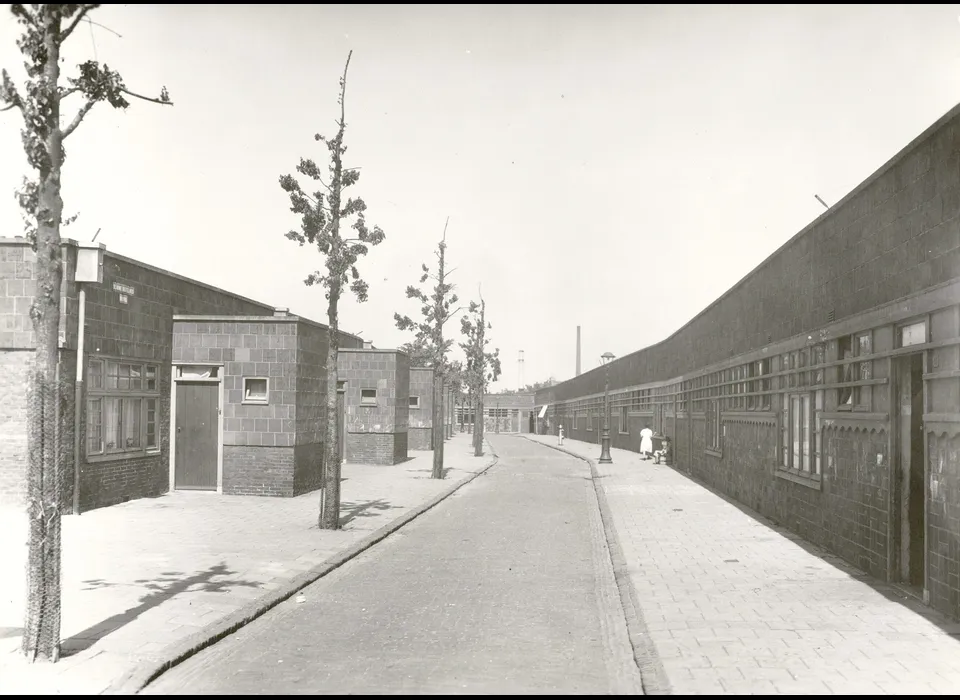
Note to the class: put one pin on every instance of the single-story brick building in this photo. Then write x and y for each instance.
(181, 385)
(823, 389)
(503, 413)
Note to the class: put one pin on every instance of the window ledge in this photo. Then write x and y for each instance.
(713, 453)
(250, 402)
(623, 432)
(116, 456)
(811, 481)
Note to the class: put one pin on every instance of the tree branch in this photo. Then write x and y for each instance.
(11, 106)
(73, 25)
(79, 118)
(145, 98)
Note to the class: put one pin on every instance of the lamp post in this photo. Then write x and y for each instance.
(605, 458)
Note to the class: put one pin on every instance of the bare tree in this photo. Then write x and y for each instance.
(322, 218)
(429, 340)
(44, 29)
(482, 367)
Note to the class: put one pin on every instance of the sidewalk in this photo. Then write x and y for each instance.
(735, 605)
(143, 578)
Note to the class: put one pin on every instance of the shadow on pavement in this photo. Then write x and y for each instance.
(362, 509)
(166, 586)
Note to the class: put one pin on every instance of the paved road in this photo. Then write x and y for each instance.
(505, 587)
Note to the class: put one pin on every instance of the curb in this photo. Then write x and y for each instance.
(134, 681)
(652, 674)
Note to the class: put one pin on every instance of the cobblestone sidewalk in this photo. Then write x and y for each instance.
(734, 605)
(144, 575)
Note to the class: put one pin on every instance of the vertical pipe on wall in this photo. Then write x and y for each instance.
(78, 400)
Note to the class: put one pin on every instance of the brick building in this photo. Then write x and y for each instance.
(375, 390)
(182, 385)
(421, 408)
(503, 413)
(823, 389)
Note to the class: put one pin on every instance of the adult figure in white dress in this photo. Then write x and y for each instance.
(646, 442)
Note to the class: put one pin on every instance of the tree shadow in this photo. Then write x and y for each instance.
(167, 585)
(362, 509)
(446, 470)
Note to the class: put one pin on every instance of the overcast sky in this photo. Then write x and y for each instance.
(613, 167)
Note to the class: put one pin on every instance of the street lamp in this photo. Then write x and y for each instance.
(606, 358)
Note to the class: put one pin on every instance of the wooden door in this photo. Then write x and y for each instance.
(195, 464)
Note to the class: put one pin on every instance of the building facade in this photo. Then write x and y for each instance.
(502, 413)
(181, 385)
(823, 390)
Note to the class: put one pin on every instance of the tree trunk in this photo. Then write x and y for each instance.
(330, 499)
(437, 422)
(41, 633)
(478, 433)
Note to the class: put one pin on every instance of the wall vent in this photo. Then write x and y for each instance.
(831, 316)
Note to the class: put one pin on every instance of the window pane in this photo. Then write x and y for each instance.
(805, 428)
(795, 429)
(135, 377)
(151, 427)
(95, 374)
(111, 423)
(94, 427)
(150, 380)
(913, 334)
(112, 374)
(255, 389)
(131, 423)
(123, 381)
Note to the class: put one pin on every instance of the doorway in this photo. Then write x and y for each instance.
(197, 426)
(910, 501)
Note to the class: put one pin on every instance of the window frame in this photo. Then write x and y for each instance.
(365, 401)
(98, 393)
(414, 402)
(801, 458)
(265, 401)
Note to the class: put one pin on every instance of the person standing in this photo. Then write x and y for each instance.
(646, 442)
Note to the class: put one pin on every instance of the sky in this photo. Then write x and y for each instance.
(613, 167)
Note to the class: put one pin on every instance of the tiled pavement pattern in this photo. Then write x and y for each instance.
(505, 587)
(734, 605)
(150, 572)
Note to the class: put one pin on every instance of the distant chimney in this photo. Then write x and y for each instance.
(578, 351)
(281, 311)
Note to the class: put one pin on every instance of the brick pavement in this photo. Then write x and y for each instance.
(735, 605)
(141, 576)
(506, 587)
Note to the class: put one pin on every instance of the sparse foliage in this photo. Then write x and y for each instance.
(482, 367)
(530, 388)
(323, 216)
(429, 343)
(43, 31)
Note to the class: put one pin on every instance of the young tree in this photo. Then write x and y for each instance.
(482, 367)
(44, 30)
(429, 340)
(322, 220)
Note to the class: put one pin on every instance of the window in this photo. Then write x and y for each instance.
(845, 352)
(800, 441)
(861, 394)
(122, 414)
(255, 390)
(368, 397)
(849, 348)
(197, 372)
(623, 419)
(713, 425)
(414, 402)
(912, 334)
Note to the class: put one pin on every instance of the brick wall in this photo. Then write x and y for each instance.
(376, 448)
(420, 438)
(258, 470)
(897, 233)
(943, 520)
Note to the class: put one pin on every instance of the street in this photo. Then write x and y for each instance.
(505, 587)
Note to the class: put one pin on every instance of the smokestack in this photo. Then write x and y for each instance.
(578, 351)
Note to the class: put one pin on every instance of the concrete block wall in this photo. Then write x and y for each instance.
(421, 420)
(377, 433)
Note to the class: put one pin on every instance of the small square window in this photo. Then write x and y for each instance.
(913, 334)
(368, 397)
(254, 390)
(414, 402)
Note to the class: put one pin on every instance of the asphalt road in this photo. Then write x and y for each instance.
(505, 587)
